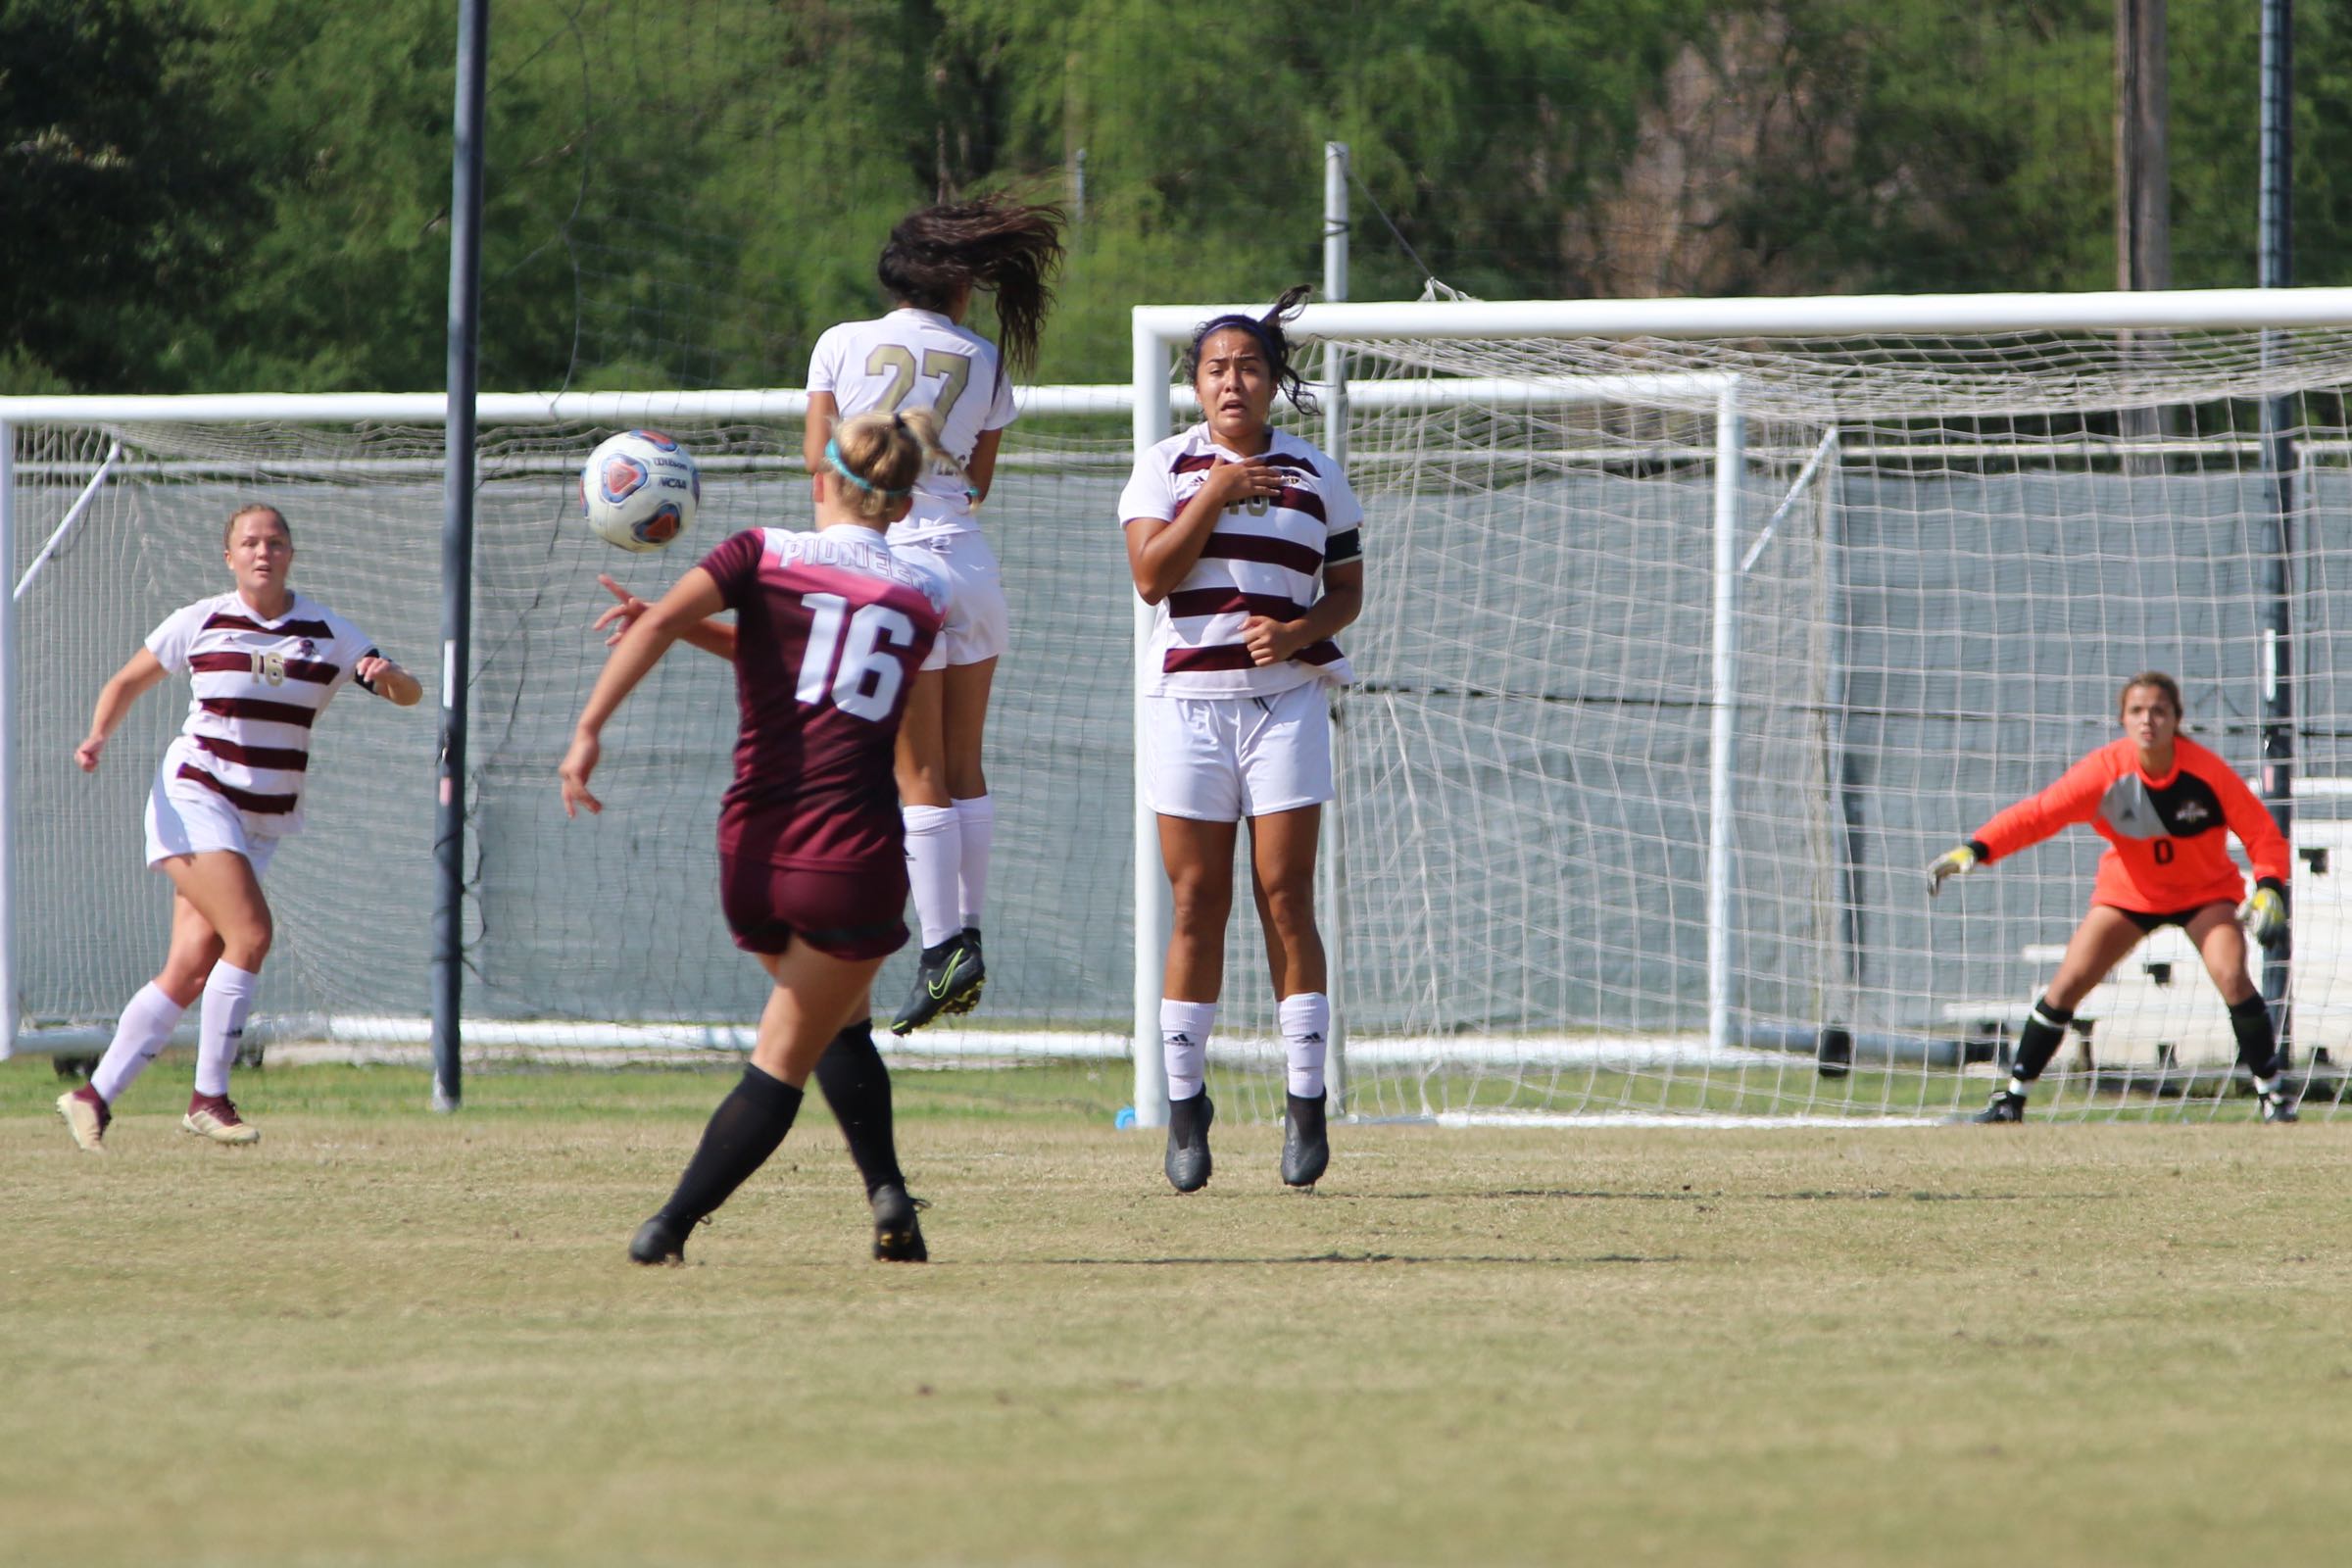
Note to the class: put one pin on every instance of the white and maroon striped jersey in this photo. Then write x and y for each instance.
(1265, 558)
(919, 359)
(257, 686)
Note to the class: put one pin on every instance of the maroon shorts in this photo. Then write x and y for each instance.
(847, 914)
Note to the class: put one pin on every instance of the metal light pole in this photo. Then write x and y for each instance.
(456, 549)
(2275, 540)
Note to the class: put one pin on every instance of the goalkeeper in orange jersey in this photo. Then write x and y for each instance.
(2166, 807)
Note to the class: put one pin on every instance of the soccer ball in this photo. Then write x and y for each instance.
(639, 490)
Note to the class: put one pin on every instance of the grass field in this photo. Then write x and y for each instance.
(383, 1336)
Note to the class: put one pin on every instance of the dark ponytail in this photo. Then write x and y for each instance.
(992, 242)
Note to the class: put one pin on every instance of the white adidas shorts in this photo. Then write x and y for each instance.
(1223, 758)
(979, 627)
(185, 818)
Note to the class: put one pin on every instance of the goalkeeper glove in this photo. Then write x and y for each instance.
(1951, 864)
(2264, 916)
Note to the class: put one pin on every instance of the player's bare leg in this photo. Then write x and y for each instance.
(227, 897)
(948, 972)
(814, 996)
(2221, 943)
(1281, 857)
(963, 726)
(1199, 856)
(2100, 943)
(194, 948)
(1282, 866)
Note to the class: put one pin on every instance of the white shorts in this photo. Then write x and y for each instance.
(184, 818)
(1223, 758)
(979, 627)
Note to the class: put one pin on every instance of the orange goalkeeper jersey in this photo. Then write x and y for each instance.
(2168, 838)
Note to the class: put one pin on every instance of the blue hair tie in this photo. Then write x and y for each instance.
(1247, 323)
(833, 456)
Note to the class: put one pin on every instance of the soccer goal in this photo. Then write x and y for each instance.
(1694, 629)
(594, 940)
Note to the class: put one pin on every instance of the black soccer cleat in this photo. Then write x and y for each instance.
(2280, 1106)
(897, 1234)
(2005, 1105)
(658, 1240)
(1306, 1145)
(947, 980)
(1187, 1163)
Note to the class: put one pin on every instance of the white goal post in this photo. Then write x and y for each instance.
(1692, 628)
(1159, 330)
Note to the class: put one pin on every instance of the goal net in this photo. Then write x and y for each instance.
(591, 941)
(1682, 656)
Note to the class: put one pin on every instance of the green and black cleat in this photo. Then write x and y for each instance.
(947, 980)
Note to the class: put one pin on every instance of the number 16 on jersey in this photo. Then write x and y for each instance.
(859, 653)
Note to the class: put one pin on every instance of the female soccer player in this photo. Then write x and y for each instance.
(830, 629)
(264, 663)
(1229, 526)
(921, 356)
(2166, 807)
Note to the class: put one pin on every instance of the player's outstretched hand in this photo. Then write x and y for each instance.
(622, 617)
(85, 755)
(1953, 862)
(2264, 916)
(578, 763)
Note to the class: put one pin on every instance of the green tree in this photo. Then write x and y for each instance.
(126, 190)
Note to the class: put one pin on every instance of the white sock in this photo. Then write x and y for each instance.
(146, 1023)
(1306, 1031)
(2018, 1085)
(228, 998)
(2265, 1085)
(978, 818)
(933, 859)
(1184, 1028)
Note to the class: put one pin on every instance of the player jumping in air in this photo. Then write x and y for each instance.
(2166, 807)
(1232, 528)
(264, 663)
(829, 631)
(921, 356)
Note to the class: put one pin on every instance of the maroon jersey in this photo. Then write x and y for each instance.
(830, 629)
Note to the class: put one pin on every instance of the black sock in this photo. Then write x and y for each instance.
(2038, 1041)
(2256, 1043)
(857, 1087)
(744, 1131)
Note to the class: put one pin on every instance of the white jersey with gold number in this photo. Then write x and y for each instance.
(915, 359)
(257, 687)
(1265, 558)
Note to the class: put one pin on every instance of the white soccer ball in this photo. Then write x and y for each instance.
(639, 490)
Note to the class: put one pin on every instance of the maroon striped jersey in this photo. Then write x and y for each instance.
(1265, 558)
(830, 628)
(258, 685)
